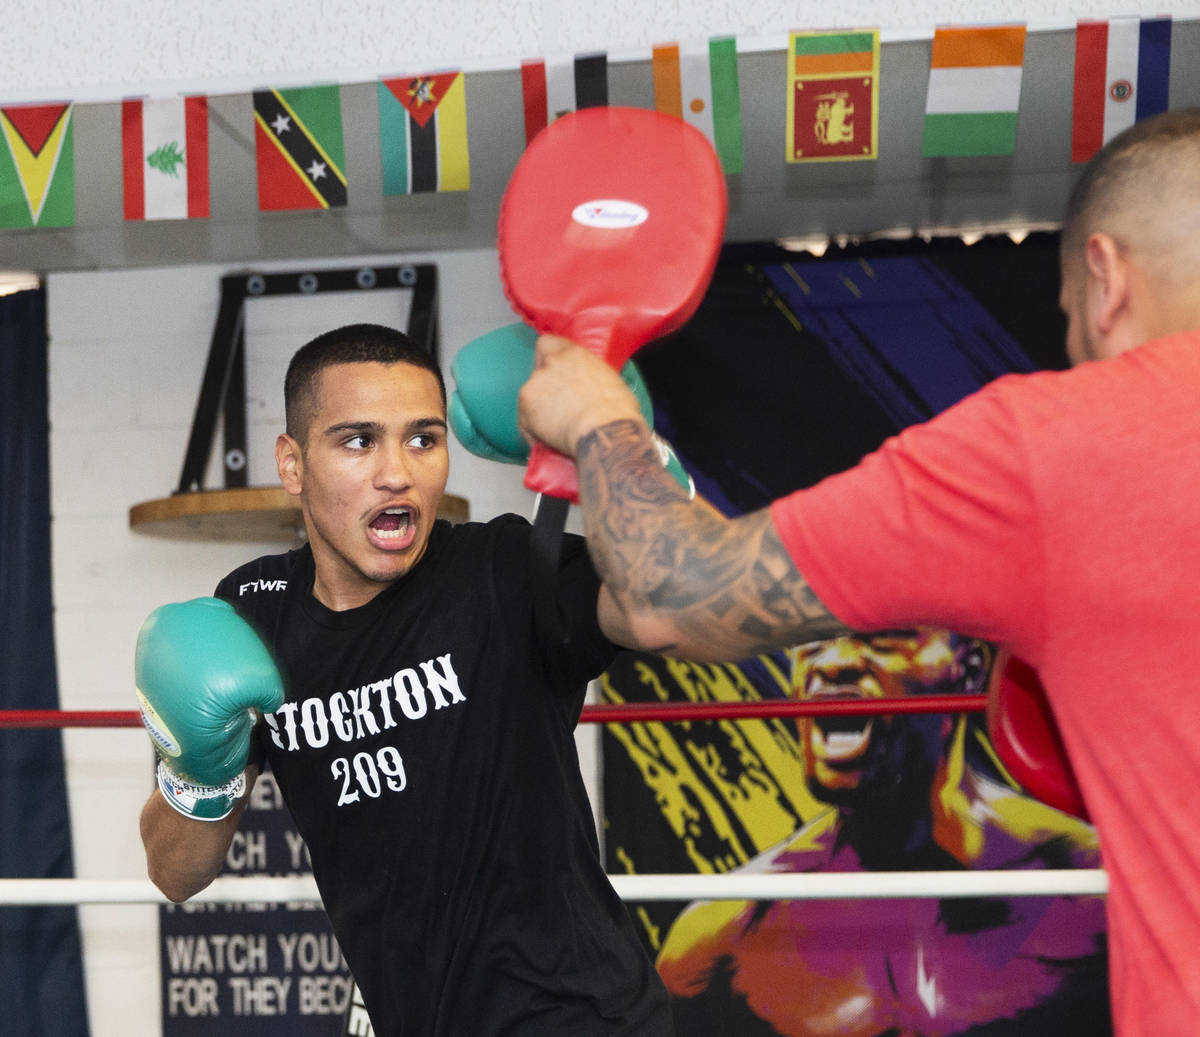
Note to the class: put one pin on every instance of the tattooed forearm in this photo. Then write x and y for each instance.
(727, 587)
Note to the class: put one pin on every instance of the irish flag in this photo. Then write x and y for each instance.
(1122, 74)
(698, 82)
(974, 91)
(164, 145)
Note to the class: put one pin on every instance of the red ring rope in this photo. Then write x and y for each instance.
(630, 712)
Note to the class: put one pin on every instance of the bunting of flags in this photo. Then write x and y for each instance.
(1122, 71)
(699, 84)
(833, 95)
(423, 133)
(1121, 75)
(164, 155)
(37, 166)
(553, 88)
(974, 91)
(298, 148)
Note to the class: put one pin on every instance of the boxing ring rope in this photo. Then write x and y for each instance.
(606, 713)
(665, 887)
(662, 887)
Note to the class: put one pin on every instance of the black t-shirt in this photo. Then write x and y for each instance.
(426, 754)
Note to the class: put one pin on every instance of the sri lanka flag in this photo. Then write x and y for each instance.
(37, 166)
(423, 133)
(699, 84)
(833, 95)
(298, 144)
(164, 150)
(1122, 74)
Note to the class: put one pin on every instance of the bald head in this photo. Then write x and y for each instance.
(1143, 190)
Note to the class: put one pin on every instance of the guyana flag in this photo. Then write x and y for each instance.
(37, 166)
(298, 141)
(423, 133)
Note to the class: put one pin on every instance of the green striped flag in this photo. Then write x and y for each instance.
(698, 82)
(974, 91)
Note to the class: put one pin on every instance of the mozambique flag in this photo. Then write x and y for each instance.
(833, 95)
(553, 88)
(37, 166)
(699, 84)
(298, 141)
(423, 133)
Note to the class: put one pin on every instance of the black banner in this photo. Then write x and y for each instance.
(268, 970)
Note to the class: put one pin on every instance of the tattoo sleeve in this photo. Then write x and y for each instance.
(724, 588)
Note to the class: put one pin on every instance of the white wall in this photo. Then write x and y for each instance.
(127, 355)
(90, 50)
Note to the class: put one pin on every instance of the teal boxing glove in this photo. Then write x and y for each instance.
(488, 373)
(201, 671)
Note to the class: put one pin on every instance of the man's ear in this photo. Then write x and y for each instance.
(289, 462)
(1109, 280)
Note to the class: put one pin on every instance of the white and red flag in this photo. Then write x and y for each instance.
(165, 158)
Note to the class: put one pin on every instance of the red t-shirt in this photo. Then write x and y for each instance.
(1058, 515)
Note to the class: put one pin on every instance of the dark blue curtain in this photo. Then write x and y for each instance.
(41, 970)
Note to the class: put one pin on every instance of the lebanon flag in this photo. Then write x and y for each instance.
(1122, 73)
(165, 158)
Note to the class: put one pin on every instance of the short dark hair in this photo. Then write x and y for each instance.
(349, 344)
(1134, 158)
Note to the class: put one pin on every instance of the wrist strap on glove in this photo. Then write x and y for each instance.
(199, 802)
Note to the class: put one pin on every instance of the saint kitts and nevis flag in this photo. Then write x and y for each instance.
(974, 91)
(423, 133)
(37, 166)
(298, 143)
(833, 95)
(698, 82)
(164, 157)
(550, 88)
(1122, 74)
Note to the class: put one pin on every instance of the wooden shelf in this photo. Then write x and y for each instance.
(258, 514)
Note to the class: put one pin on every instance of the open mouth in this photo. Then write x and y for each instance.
(392, 524)
(841, 739)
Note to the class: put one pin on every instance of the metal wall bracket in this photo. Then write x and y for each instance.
(223, 390)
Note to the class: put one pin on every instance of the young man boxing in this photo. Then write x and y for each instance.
(420, 730)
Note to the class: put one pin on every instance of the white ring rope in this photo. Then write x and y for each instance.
(735, 886)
